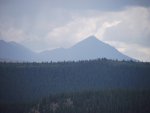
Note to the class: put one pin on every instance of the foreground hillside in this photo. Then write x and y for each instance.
(104, 101)
(101, 101)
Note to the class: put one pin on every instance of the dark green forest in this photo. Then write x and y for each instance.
(92, 86)
(104, 101)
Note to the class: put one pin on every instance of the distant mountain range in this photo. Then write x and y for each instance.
(11, 51)
(90, 48)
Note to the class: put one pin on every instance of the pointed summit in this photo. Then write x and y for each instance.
(89, 43)
(90, 39)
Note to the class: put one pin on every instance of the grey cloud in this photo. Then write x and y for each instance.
(134, 28)
(31, 6)
(123, 34)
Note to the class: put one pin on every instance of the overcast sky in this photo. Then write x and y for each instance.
(48, 24)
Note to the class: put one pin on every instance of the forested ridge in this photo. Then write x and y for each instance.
(24, 83)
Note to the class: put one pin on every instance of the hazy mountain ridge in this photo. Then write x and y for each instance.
(11, 51)
(90, 48)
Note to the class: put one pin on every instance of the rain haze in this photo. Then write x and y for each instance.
(47, 24)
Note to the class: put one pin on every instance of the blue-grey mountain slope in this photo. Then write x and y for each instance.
(11, 51)
(90, 48)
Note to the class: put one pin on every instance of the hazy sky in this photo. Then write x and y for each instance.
(48, 24)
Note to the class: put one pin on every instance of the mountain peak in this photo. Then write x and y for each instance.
(92, 38)
(89, 42)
